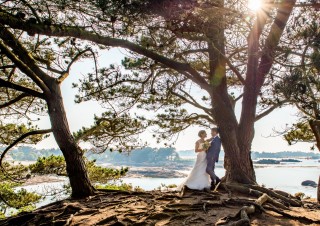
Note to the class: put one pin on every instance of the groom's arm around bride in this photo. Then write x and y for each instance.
(213, 155)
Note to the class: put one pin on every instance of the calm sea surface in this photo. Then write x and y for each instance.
(286, 177)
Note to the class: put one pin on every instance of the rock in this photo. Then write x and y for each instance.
(267, 161)
(309, 183)
(290, 160)
(155, 172)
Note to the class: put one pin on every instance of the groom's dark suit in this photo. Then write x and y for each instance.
(213, 157)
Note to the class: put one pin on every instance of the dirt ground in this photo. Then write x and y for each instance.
(163, 208)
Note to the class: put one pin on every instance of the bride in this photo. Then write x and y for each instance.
(198, 179)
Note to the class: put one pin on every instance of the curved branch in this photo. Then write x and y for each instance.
(22, 137)
(266, 112)
(66, 73)
(32, 10)
(191, 101)
(15, 100)
(25, 59)
(199, 116)
(78, 32)
(191, 51)
(234, 69)
(22, 66)
(31, 92)
(273, 39)
(48, 67)
(231, 66)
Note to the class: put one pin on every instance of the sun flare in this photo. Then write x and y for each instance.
(254, 4)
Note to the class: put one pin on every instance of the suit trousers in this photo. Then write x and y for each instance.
(210, 168)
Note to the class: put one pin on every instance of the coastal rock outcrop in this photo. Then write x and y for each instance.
(309, 183)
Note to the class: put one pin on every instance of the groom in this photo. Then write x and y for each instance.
(213, 156)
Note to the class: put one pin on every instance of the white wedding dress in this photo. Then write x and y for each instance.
(198, 179)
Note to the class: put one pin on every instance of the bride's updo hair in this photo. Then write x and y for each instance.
(201, 132)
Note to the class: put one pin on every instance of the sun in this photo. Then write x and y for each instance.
(254, 5)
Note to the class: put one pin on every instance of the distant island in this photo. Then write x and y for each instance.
(154, 162)
(155, 157)
(290, 160)
(273, 161)
(283, 155)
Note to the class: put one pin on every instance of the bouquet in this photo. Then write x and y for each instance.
(205, 146)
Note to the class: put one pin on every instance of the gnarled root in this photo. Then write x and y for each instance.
(244, 212)
(276, 199)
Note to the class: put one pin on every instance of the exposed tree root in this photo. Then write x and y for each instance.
(302, 219)
(244, 213)
(270, 200)
(166, 208)
(274, 198)
(290, 200)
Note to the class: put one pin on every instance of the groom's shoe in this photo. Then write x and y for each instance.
(213, 185)
(218, 180)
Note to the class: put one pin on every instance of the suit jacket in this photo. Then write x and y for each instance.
(214, 149)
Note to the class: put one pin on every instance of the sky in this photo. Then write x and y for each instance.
(80, 115)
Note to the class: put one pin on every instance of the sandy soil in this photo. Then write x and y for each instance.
(162, 208)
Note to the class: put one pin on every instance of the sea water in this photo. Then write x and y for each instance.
(284, 176)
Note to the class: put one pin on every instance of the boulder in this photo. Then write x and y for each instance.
(309, 183)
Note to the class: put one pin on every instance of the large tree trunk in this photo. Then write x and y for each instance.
(238, 163)
(315, 126)
(318, 194)
(79, 180)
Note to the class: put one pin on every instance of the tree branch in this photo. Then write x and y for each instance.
(22, 137)
(47, 63)
(238, 98)
(77, 32)
(191, 101)
(39, 77)
(32, 10)
(273, 39)
(22, 66)
(7, 66)
(191, 51)
(31, 92)
(266, 112)
(234, 69)
(66, 73)
(15, 100)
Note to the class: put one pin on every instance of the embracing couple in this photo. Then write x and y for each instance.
(202, 176)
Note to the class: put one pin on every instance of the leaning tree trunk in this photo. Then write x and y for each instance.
(315, 126)
(77, 173)
(318, 193)
(238, 163)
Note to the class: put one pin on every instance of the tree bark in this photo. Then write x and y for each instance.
(238, 163)
(77, 173)
(315, 126)
(318, 193)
